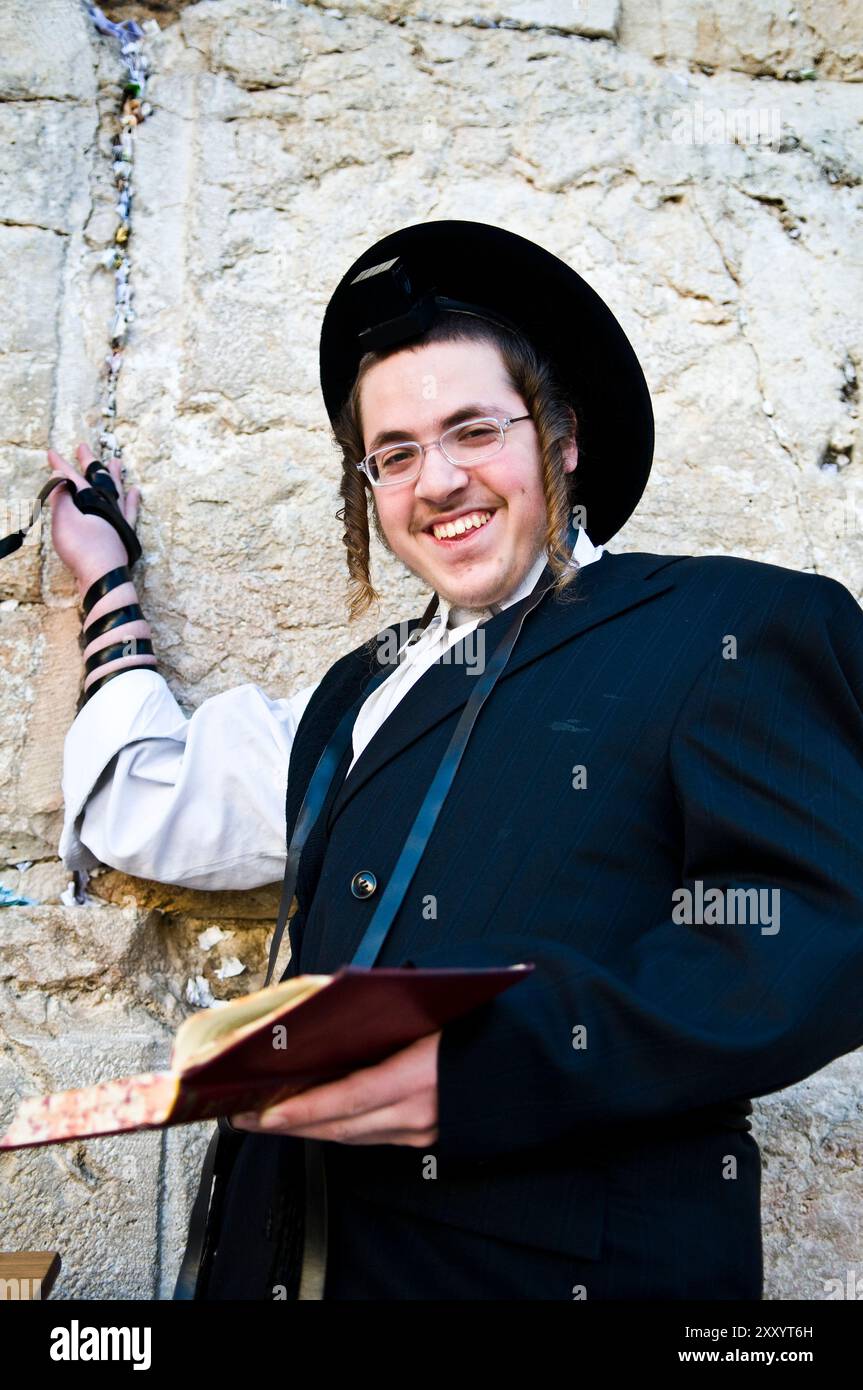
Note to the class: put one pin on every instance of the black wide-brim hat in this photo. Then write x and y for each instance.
(390, 296)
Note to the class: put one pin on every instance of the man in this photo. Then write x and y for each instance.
(652, 806)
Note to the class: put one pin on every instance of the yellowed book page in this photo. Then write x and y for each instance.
(204, 1034)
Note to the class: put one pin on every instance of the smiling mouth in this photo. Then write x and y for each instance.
(461, 531)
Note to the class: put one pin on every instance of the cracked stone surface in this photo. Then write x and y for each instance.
(87, 994)
(700, 165)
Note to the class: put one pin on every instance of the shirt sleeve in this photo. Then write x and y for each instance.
(766, 757)
(194, 800)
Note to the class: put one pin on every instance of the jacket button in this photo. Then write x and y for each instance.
(363, 884)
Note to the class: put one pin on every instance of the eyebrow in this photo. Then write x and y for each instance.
(465, 412)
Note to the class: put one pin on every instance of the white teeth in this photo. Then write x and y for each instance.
(461, 524)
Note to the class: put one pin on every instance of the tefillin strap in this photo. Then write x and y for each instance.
(314, 1263)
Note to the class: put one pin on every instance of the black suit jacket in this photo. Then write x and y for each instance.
(686, 724)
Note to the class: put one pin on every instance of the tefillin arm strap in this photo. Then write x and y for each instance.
(369, 949)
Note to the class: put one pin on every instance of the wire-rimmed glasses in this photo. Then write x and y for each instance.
(471, 442)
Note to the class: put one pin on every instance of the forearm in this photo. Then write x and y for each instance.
(111, 618)
(196, 800)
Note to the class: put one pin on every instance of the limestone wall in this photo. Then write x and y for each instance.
(700, 164)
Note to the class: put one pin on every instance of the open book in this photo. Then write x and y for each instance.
(263, 1047)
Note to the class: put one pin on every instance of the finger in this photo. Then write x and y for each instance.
(85, 456)
(405, 1137)
(67, 469)
(357, 1094)
(246, 1120)
(113, 466)
(398, 1080)
(68, 475)
(56, 491)
(390, 1126)
(414, 1116)
(61, 465)
(117, 471)
(394, 1080)
(132, 502)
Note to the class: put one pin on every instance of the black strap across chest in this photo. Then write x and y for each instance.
(420, 832)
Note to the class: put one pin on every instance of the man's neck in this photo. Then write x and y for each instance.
(459, 615)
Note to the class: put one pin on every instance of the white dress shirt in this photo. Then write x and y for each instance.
(200, 800)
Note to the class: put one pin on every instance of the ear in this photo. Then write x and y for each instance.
(570, 456)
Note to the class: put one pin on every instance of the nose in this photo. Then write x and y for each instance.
(439, 477)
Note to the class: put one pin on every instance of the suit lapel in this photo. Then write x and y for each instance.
(612, 585)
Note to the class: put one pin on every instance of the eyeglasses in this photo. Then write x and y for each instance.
(466, 444)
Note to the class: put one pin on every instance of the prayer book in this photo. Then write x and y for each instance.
(261, 1048)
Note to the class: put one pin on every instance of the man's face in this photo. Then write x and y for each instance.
(414, 392)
